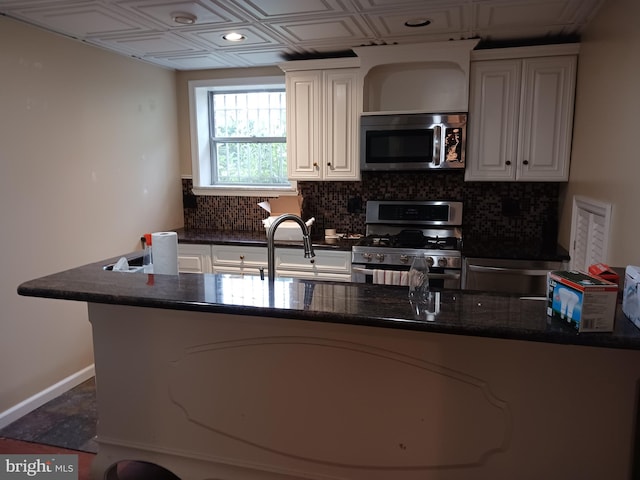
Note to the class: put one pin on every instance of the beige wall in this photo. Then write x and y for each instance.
(88, 162)
(605, 162)
(183, 79)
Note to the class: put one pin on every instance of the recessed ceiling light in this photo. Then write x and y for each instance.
(417, 22)
(184, 18)
(234, 37)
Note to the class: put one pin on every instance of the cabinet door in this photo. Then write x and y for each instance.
(546, 112)
(493, 120)
(342, 106)
(193, 258)
(303, 124)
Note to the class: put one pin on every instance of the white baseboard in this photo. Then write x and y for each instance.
(49, 393)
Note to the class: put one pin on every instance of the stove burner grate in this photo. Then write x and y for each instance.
(402, 240)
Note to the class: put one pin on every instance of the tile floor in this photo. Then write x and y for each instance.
(67, 421)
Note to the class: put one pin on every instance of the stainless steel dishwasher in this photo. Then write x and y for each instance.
(525, 277)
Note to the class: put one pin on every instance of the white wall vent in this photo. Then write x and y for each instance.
(590, 223)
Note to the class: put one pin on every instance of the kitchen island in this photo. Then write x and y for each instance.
(223, 376)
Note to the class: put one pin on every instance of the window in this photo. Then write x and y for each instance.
(589, 232)
(238, 137)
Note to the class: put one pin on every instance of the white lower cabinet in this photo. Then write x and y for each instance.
(326, 265)
(289, 262)
(194, 258)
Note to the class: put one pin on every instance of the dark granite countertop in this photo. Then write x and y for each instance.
(256, 239)
(520, 249)
(473, 247)
(460, 312)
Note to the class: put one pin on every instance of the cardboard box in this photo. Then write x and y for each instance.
(586, 302)
(631, 294)
(288, 230)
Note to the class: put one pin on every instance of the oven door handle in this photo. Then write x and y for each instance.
(508, 271)
(435, 276)
(445, 276)
(365, 271)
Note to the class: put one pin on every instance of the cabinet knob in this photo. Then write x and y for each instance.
(525, 162)
(315, 165)
(329, 165)
(241, 257)
(508, 162)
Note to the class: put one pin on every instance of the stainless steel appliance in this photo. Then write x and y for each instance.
(397, 231)
(524, 277)
(418, 141)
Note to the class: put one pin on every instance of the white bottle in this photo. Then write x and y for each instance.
(419, 279)
(147, 256)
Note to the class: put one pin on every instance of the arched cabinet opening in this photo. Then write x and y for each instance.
(138, 470)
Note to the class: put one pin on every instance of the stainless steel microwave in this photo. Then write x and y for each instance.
(417, 141)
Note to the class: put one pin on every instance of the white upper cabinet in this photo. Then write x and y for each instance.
(323, 110)
(521, 118)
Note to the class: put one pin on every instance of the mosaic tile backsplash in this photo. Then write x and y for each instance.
(492, 210)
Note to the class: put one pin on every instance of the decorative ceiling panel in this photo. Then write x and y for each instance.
(443, 20)
(148, 44)
(275, 29)
(81, 19)
(323, 31)
(269, 10)
(162, 13)
(212, 37)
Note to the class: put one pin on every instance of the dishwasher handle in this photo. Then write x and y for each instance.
(508, 271)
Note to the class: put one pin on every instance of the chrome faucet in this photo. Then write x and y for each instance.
(308, 248)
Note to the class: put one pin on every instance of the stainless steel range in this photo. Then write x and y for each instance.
(398, 231)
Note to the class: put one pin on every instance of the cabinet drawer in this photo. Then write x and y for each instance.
(230, 255)
(324, 261)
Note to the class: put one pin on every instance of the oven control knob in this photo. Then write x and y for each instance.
(367, 256)
(380, 257)
(404, 258)
(442, 262)
(430, 261)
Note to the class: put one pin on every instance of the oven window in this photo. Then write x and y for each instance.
(414, 213)
(434, 283)
(404, 146)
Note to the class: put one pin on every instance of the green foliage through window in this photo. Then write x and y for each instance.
(248, 137)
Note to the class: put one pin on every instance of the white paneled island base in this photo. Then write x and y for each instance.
(223, 396)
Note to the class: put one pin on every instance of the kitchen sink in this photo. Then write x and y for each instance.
(135, 264)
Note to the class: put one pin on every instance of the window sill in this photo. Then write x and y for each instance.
(246, 191)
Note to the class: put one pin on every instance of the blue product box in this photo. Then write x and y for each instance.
(585, 302)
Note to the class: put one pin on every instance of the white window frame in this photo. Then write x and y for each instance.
(201, 140)
(590, 230)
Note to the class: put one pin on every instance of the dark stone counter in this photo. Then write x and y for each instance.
(460, 312)
(473, 247)
(519, 249)
(252, 238)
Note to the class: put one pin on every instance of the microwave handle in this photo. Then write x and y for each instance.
(437, 144)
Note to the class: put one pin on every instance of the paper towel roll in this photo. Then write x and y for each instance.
(165, 252)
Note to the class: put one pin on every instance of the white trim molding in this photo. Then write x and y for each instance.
(21, 409)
